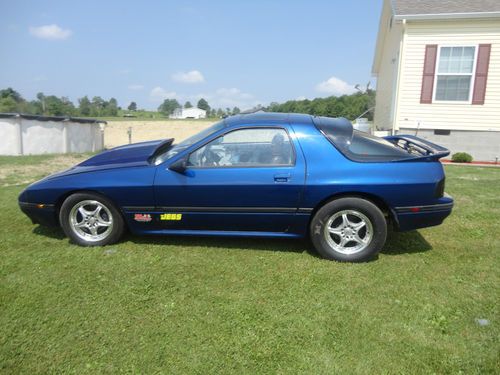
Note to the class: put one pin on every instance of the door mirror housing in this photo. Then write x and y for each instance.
(179, 166)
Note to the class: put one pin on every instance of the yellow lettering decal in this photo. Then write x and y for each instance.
(171, 217)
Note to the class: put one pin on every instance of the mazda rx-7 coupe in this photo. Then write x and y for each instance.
(260, 174)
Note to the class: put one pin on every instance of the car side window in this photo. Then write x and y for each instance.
(255, 147)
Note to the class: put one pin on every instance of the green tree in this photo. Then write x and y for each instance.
(220, 113)
(188, 105)
(236, 110)
(41, 98)
(11, 93)
(112, 107)
(54, 106)
(132, 106)
(349, 106)
(8, 104)
(35, 107)
(12, 101)
(203, 104)
(68, 109)
(84, 106)
(168, 106)
(96, 106)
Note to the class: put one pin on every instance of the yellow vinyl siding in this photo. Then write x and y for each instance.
(438, 115)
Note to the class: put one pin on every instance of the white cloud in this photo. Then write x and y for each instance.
(194, 76)
(335, 86)
(221, 98)
(159, 94)
(135, 87)
(50, 32)
(301, 97)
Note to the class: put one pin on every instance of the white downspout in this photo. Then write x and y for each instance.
(398, 80)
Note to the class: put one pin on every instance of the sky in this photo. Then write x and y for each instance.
(232, 53)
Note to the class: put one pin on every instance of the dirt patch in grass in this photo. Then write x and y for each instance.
(116, 132)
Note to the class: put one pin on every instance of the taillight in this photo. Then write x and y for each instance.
(440, 189)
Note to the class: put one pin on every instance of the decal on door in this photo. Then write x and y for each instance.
(143, 218)
(171, 217)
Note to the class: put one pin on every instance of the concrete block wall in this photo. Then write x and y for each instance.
(20, 136)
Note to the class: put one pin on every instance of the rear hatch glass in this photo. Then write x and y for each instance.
(356, 145)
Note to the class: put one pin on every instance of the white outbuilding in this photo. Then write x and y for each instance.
(183, 113)
(32, 134)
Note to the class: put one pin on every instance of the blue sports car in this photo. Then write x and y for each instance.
(261, 174)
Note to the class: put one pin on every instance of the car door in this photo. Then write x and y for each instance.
(248, 179)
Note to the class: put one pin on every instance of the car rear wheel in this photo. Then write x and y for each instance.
(349, 230)
(91, 220)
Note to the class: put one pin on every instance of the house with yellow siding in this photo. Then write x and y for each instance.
(437, 65)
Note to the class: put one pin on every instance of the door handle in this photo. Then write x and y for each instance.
(282, 177)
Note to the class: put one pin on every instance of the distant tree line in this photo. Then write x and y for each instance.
(51, 105)
(349, 106)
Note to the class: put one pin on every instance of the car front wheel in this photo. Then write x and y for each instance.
(349, 230)
(91, 220)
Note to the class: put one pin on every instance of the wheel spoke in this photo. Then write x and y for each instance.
(93, 230)
(358, 226)
(81, 224)
(360, 240)
(343, 241)
(345, 220)
(102, 223)
(336, 231)
(97, 210)
(84, 212)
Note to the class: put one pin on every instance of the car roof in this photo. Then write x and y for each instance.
(339, 124)
(268, 118)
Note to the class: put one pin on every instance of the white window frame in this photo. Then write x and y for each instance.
(472, 74)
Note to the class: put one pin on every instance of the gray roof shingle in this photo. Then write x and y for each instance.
(415, 7)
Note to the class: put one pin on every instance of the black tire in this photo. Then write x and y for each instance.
(108, 214)
(328, 245)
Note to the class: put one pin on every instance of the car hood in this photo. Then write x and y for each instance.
(133, 155)
(137, 152)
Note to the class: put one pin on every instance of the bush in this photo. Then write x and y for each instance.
(461, 157)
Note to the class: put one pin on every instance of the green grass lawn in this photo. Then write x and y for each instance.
(225, 306)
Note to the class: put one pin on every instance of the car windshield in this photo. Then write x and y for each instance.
(175, 149)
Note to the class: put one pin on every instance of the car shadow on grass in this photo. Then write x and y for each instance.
(237, 243)
(52, 232)
(397, 243)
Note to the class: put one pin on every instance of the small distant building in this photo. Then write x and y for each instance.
(32, 135)
(183, 113)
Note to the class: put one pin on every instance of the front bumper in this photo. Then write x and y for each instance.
(414, 217)
(44, 214)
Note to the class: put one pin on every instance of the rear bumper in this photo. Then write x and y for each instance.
(40, 214)
(414, 217)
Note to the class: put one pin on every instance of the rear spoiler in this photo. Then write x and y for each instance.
(421, 149)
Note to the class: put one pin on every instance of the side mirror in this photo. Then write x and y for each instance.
(180, 166)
